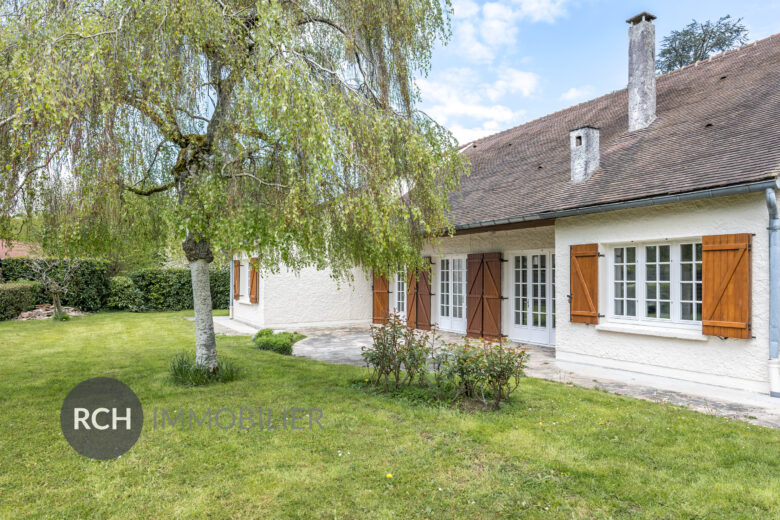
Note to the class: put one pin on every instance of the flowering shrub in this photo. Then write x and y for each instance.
(486, 371)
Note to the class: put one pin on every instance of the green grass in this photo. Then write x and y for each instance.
(554, 452)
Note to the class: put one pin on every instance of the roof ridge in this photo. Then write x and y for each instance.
(675, 72)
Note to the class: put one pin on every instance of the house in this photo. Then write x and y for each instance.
(629, 232)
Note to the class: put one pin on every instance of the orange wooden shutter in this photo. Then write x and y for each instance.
(381, 297)
(411, 300)
(236, 278)
(726, 285)
(491, 296)
(584, 283)
(474, 267)
(254, 282)
(424, 297)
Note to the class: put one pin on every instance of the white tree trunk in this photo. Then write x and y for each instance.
(205, 344)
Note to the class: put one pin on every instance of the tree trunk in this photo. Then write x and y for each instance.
(199, 255)
(55, 296)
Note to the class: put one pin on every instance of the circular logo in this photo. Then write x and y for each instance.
(101, 418)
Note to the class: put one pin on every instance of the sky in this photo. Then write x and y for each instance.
(512, 61)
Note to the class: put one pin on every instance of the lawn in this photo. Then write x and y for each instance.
(554, 451)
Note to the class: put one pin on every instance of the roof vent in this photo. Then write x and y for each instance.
(584, 144)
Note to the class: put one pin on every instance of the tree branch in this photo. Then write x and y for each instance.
(150, 191)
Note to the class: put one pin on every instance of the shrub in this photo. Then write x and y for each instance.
(88, 288)
(171, 289)
(398, 354)
(17, 297)
(184, 371)
(486, 371)
(281, 342)
(124, 295)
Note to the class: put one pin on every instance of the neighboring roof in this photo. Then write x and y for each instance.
(718, 125)
(15, 249)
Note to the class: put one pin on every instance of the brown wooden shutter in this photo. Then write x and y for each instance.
(584, 283)
(254, 281)
(424, 297)
(411, 301)
(726, 285)
(236, 278)
(474, 268)
(491, 296)
(381, 299)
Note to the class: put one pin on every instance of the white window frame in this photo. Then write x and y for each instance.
(399, 287)
(243, 282)
(451, 323)
(675, 320)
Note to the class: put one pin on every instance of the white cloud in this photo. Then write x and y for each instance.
(468, 45)
(512, 81)
(576, 94)
(541, 10)
(465, 9)
(498, 24)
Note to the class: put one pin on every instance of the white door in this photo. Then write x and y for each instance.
(533, 302)
(398, 295)
(452, 294)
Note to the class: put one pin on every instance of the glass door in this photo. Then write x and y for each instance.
(452, 294)
(398, 296)
(533, 302)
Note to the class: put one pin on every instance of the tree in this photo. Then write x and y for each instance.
(698, 41)
(282, 127)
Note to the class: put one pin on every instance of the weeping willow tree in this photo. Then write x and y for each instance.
(285, 128)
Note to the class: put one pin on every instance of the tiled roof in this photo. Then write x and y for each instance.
(718, 124)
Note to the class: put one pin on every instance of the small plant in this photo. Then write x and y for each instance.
(281, 342)
(60, 315)
(184, 371)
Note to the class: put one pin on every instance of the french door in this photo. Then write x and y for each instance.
(533, 302)
(452, 294)
(398, 295)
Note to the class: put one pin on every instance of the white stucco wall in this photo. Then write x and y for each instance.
(313, 298)
(735, 363)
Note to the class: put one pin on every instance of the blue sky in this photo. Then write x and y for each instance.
(511, 61)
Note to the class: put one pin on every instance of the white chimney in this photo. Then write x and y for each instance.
(641, 71)
(584, 152)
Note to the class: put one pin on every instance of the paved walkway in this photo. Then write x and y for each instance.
(342, 346)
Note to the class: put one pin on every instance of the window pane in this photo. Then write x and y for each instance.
(698, 252)
(687, 272)
(686, 251)
(665, 253)
(687, 311)
(698, 311)
(651, 290)
(631, 272)
(651, 307)
(650, 253)
(665, 291)
(618, 272)
(651, 273)
(619, 307)
(630, 255)
(665, 270)
(665, 310)
(687, 292)
(619, 290)
(631, 308)
(631, 290)
(619, 255)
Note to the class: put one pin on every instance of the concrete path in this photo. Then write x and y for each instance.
(342, 346)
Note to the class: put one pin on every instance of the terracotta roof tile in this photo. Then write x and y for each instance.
(718, 124)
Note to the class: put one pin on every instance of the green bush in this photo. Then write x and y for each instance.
(89, 287)
(281, 342)
(171, 289)
(17, 297)
(184, 371)
(124, 295)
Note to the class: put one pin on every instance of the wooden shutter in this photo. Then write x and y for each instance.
(411, 300)
(236, 278)
(424, 297)
(726, 285)
(381, 299)
(584, 283)
(254, 281)
(474, 268)
(491, 296)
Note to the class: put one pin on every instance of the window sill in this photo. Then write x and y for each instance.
(650, 330)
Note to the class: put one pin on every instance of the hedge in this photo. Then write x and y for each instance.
(171, 289)
(17, 297)
(88, 290)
